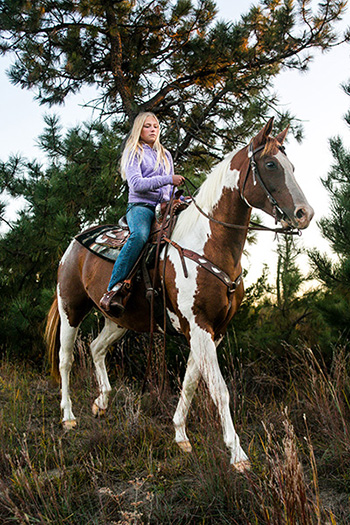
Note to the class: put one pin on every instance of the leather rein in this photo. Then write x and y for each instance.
(253, 167)
(201, 260)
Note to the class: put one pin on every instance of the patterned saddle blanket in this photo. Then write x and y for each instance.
(105, 241)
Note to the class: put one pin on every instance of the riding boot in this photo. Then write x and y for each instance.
(114, 301)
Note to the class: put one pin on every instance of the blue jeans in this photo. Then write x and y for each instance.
(140, 220)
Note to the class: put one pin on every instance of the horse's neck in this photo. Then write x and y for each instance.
(229, 241)
(220, 199)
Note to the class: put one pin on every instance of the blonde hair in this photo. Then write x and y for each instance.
(134, 147)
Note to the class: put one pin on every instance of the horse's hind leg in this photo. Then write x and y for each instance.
(68, 334)
(110, 333)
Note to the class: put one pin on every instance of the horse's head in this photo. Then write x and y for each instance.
(268, 182)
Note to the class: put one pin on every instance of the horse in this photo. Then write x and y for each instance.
(199, 304)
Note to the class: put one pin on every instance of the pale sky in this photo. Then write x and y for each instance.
(315, 97)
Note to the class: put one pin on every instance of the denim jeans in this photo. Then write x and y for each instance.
(140, 220)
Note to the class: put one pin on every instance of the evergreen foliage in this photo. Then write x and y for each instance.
(334, 274)
(275, 315)
(78, 186)
(208, 80)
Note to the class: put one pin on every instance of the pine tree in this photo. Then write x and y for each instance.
(209, 81)
(273, 315)
(79, 185)
(335, 274)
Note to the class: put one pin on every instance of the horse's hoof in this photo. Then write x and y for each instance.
(97, 411)
(242, 466)
(185, 446)
(69, 424)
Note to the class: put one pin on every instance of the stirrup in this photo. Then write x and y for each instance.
(112, 301)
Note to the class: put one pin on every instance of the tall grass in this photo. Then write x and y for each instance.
(292, 416)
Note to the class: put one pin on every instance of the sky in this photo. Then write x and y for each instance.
(314, 97)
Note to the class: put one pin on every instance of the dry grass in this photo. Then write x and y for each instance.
(292, 416)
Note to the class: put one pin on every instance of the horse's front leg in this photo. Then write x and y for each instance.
(99, 346)
(189, 386)
(204, 354)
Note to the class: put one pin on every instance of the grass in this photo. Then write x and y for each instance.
(292, 416)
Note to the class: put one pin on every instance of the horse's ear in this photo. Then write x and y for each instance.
(281, 136)
(264, 133)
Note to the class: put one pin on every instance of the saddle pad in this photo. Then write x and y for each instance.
(105, 241)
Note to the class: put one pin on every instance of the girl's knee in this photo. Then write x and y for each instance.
(140, 236)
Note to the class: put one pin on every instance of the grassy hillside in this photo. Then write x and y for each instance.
(292, 416)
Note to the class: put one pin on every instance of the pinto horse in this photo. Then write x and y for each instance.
(199, 305)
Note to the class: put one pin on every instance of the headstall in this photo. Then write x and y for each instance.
(256, 177)
(253, 167)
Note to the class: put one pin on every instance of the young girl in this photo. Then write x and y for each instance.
(148, 168)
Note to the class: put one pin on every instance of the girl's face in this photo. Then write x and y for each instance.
(150, 131)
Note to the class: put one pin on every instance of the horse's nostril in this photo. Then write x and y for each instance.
(300, 213)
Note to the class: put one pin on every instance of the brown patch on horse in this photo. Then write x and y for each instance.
(213, 304)
(75, 298)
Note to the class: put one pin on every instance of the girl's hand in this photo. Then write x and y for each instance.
(178, 180)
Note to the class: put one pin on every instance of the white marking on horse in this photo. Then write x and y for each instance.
(193, 231)
(111, 332)
(208, 198)
(67, 337)
(62, 307)
(174, 320)
(67, 252)
(203, 361)
(292, 185)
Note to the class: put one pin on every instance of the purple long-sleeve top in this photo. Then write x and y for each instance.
(147, 184)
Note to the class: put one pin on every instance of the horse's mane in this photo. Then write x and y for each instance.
(270, 146)
(208, 196)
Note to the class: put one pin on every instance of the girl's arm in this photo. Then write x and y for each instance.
(143, 184)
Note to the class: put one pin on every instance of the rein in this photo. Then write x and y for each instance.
(202, 261)
(151, 291)
(254, 226)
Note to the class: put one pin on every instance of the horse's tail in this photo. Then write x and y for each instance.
(52, 338)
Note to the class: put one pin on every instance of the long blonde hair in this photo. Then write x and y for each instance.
(133, 146)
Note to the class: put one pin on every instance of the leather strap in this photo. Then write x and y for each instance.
(206, 264)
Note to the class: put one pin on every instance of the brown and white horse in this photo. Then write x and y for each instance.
(200, 305)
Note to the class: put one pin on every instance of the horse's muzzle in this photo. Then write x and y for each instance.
(301, 217)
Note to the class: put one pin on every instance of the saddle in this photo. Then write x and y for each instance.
(106, 241)
(116, 238)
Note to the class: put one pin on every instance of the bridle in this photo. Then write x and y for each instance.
(231, 285)
(253, 167)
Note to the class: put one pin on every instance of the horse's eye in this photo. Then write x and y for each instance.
(270, 165)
